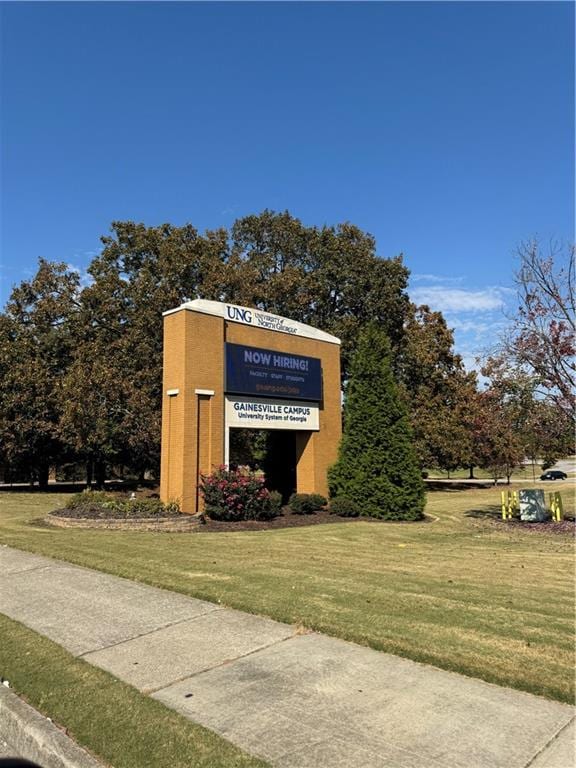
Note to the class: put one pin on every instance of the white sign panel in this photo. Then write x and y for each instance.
(256, 318)
(264, 413)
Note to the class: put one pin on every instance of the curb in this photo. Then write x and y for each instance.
(36, 738)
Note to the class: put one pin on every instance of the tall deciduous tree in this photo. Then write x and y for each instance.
(548, 434)
(438, 391)
(36, 347)
(498, 445)
(111, 375)
(330, 278)
(542, 337)
(515, 423)
(377, 466)
(141, 272)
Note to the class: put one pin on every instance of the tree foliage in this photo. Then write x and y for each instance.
(107, 402)
(438, 391)
(377, 466)
(329, 277)
(498, 432)
(512, 422)
(542, 337)
(528, 407)
(117, 370)
(36, 348)
(81, 366)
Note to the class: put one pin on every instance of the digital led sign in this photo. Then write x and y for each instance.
(269, 373)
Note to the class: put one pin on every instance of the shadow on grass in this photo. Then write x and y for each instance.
(453, 486)
(490, 513)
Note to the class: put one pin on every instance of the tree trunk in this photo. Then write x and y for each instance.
(43, 472)
(89, 473)
(471, 473)
(100, 474)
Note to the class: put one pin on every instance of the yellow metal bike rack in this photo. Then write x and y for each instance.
(556, 508)
(510, 505)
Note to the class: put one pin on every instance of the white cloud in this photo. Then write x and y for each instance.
(447, 299)
(477, 315)
(425, 278)
(478, 327)
(230, 210)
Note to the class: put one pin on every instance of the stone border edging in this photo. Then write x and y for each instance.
(168, 524)
(36, 738)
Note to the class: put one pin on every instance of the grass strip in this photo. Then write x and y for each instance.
(105, 716)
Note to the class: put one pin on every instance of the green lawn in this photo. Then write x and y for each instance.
(458, 592)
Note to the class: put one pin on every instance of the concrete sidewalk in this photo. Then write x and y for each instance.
(299, 701)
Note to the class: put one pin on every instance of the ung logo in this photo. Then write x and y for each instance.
(236, 313)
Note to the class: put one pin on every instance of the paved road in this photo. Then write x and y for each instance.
(297, 700)
(566, 465)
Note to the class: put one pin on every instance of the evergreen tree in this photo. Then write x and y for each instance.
(377, 466)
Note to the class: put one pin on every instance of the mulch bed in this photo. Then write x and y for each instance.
(565, 528)
(286, 519)
(113, 519)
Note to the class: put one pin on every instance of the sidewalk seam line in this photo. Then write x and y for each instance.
(550, 742)
(227, 662)
(149, 632)
(26, 570)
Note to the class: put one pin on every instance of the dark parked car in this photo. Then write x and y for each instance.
(554, 474)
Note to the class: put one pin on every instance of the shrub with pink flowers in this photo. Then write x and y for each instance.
(238, 494)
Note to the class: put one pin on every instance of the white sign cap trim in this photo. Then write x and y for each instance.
(257, 318)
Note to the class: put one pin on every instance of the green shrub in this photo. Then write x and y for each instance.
(237, 494)
(88, 498)
(143, 508)
(306, 503)
(100, 505)
(274, 503)
(344, 507)
(172, 507)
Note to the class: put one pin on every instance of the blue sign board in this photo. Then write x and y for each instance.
(269, 373)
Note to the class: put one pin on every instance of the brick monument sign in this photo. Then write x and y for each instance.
(229, 367)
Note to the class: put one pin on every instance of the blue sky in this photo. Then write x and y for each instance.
(444, 129)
